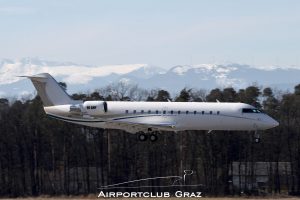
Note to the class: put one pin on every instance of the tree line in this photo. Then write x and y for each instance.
(40, 155)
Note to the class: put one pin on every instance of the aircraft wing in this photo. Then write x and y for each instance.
(134, 127)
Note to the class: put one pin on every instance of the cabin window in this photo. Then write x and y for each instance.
(171, 112)
(250, 110)
(178, 112)
(202, 112)
(134, 111)
(142, 111)
(156, 112)
(126, 111)
(210, 112)
(149, 111)
(164, 112)
(195, 112)
(187, 112)
(218, 112)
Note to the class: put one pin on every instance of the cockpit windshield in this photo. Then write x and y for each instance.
(251, 110)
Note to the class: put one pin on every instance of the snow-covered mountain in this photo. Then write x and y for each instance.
(82, 78)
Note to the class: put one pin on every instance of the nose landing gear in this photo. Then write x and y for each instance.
(256, 137)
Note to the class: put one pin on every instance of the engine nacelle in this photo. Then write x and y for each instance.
(94, 108)
(76, 109)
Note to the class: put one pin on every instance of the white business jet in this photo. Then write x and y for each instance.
(148, 118)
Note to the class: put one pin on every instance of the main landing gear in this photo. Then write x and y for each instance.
(152, 136)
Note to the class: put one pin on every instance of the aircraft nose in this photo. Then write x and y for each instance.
(272, 122)
(267, 122)
(275, 123)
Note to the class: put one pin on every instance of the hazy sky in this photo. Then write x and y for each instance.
(157, 32)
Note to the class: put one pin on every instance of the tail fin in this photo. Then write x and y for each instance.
(49, 90)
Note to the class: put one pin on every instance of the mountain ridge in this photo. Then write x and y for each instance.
(86, 77)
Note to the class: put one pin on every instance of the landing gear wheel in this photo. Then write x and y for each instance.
(153, 137)
(142, 137)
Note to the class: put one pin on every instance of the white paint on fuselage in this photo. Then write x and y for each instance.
(216, 116)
